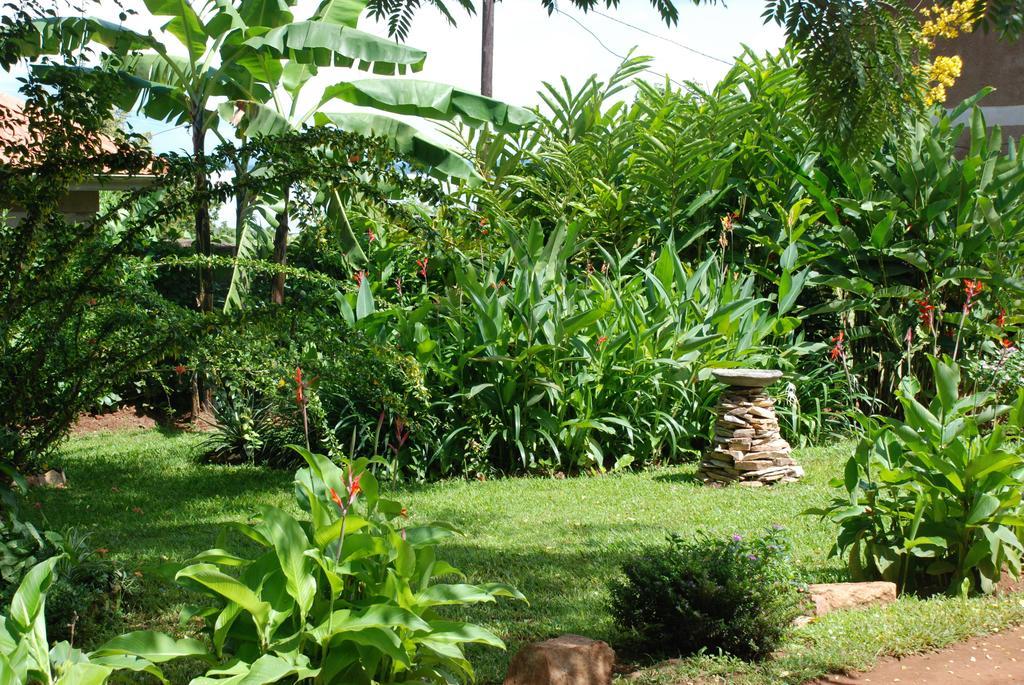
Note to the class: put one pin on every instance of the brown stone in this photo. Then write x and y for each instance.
(754, 465)
(565, 660)
(50, 479)
(773, 446)
(832, 596)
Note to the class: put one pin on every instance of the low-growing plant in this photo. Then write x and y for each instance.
(737, 596)
(26, 655)
(932, 502)
(347, 595)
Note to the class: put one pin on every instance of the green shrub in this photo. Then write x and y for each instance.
(933, 502)
(738, 596)
(355, 385)
(87, 595)
(348, 593)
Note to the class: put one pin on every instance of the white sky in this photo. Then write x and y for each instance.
(531, 47)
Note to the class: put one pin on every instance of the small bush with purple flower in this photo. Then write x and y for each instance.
(737, 595)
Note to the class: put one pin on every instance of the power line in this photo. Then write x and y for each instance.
(612, 52)
(667, 40)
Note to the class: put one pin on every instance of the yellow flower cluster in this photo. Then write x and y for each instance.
(948, 22)
(944, 73)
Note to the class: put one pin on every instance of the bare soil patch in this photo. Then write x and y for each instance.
(128, 418)
(990, 660)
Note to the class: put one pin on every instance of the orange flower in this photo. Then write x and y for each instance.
(337, 499)
(180, 369)
(1001, 319)
(927, 313)
(300, 397)
(1007, 343)
(602, 340)
(359, 276)
(837, 349)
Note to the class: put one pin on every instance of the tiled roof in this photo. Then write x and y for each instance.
(15, 131)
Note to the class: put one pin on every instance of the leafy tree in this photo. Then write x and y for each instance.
(77, 317)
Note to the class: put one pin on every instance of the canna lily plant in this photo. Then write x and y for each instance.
(347, 593)
(26, 655)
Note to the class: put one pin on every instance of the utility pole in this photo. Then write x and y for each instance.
(487, 50)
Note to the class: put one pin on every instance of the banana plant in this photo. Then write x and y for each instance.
(410, 97)
(232, 51)
(26, 656)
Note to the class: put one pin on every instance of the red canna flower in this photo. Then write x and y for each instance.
(1001, 319)
(337, 499)
(354, 488)
(422, 264)
(972, 290)
(180, 369)
(300, 397)
(927, 314)
(837, 348)
(602, 340)
(359, 276)
(1007, 343)
(370, 235)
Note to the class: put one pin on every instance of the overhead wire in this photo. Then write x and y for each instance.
(613, 52)
(664, 38)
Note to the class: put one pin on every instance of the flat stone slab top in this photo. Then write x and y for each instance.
(747, 378)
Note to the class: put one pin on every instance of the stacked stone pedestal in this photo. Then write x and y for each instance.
(748, 447)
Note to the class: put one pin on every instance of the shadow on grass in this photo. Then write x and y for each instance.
(687, 478)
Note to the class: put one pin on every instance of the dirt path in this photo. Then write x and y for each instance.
(991, 660)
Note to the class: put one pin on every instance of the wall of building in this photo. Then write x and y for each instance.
(989, 61)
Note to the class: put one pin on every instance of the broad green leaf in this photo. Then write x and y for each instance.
(458, 632)
(290, 542)
(984, 506)
(460, 593)
(209, 576)
(430, 100)
(325, 44)
(54, 34)
(184, 24)
(364, 301)
(152, 646)
(343, 12)
(404, 139)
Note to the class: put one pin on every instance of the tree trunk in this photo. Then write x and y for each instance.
(204, 300)
(487, 49)
(280, 252)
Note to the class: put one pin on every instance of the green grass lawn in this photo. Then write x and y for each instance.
(143, 497)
